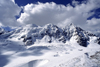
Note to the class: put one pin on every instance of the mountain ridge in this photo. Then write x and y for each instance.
(31, 33)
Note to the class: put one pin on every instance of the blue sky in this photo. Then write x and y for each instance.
(23, 3)
(83, 13)
(64, 2)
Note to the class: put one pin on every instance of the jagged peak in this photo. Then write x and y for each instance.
(80, 29)
(70, 26)
(50, 25)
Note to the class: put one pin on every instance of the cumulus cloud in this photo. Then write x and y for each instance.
(8, 11)
(43, 13)
(94, 23)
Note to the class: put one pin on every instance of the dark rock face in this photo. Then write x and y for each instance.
(96, 57)
(82, 41)
(1, 33)
(98, 40)
(81, 36)
(28, 42)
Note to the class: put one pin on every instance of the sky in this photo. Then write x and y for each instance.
(82, 13)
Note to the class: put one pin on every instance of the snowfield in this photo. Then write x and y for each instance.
(16, 54)
(49, 46)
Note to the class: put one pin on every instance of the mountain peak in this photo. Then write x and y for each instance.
(31, 33)
(50, 25)
(71, 24)
(70, 27)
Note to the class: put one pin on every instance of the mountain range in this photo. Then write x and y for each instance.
(49, 46)
(32, 33)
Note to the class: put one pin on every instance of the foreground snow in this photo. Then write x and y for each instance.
(15, 54)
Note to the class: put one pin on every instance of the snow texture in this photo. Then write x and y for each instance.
(49, 46)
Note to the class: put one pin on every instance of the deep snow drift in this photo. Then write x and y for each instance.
(49, 46)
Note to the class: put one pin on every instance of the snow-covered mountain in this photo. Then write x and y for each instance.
(49, 46)
(32, 33)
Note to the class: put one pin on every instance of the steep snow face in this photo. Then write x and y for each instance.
(22, 31)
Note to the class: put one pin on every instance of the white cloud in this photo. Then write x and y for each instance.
(43, 13)
(8, 11)
(93, 21)
(94, 24)
(13, 1)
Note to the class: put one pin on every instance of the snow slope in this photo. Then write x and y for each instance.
(49, 46)
(15, 54)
